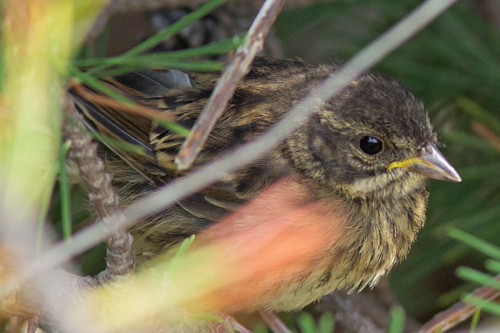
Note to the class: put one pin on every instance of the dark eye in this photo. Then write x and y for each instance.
(370, 145)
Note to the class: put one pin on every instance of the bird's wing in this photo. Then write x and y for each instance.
(124, 133)
(185, 96)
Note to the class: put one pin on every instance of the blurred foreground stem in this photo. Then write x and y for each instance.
(34, 34)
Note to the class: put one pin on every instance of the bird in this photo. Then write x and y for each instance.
(356, 171)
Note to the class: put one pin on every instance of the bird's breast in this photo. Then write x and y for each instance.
(276, 245)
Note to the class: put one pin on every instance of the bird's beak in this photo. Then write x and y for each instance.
(430, 163)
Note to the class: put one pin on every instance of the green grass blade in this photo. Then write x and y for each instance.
(42, 218)
(179, 254)
(475, 320)
(492, 265)
(470, 141)
(397, 323)
(96, 84)
(474, 242)
(167, 32)
(479, 113)
(175, 27)
(306, 322)
(65, 193)
(326, 323)
(214, 48)
(483, 304)
(156, 60)
(89, 80)
(125, 146)
(481, 278)
(468, 42)
(181, 130)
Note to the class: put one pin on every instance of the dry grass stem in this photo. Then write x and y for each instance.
(459, 311)
(119, 255)
(274, 322)
(237, 68)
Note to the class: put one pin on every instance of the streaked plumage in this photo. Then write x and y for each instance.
(381, 197)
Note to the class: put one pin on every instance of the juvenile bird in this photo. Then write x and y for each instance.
(357, 168)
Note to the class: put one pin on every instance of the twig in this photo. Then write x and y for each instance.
(119, 256)
(459, 311)
(247, 153)
(229, 324)
(237, 68)
(274, 322)
(32, 325)
(347, 315)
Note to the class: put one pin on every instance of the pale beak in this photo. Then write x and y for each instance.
(430, 163)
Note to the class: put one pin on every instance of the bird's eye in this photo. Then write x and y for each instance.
(370, 145)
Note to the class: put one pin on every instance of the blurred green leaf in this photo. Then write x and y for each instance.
(306, 323)
(67, 223)
(492, 265)
(165, 59)
(483, 304)
(326, 323)
(472, 275)
(470, 141)
(479, 113)
(476, 243)
(397, 323)
(175, 27)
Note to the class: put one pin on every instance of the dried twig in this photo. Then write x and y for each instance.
(119, 256)
(237, 68)
(32, 325)
(274, 322)
(459, 312)
(229, 324)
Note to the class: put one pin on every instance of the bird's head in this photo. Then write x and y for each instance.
(374, 139)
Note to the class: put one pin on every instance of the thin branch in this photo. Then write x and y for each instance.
(229, 325)
(237, 68)
(119, 255)
(274, 322)
(32, 325)
(459, 312)
(247, 153)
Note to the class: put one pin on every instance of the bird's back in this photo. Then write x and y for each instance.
(140, 151)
